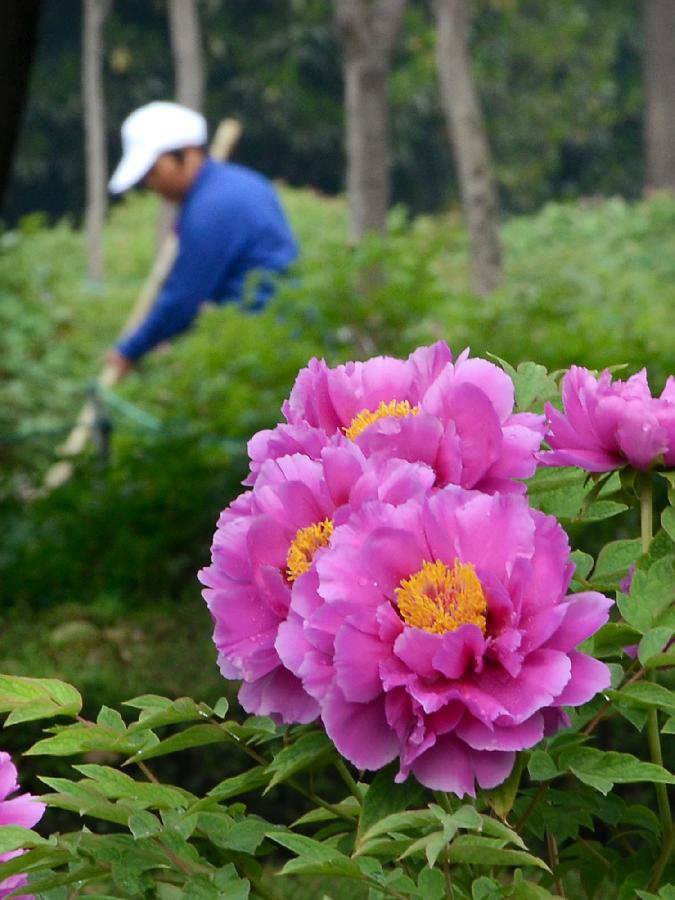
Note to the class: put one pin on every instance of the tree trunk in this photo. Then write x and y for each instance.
(95, 12)
(368, 30)
(469, 140)
(188, 58)
(19, 20)
(659, 81)
(188, 66)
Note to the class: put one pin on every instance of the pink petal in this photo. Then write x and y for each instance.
(281, 696)
(446, 767)
(359, 730)
(589, 677)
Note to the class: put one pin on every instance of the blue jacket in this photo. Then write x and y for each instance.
(230, 223)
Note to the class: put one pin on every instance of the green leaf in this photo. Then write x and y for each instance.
(184, 709)
(653, 642)
(384, 797)
(583, 563)
(240, 784)
(244, 836)
(602, 769)
(403, 821)
(149, 702)
(221, 707)
(349, 807)
(34, 860)
(338, 867)
(541, 767)
(143, 824)
(669, 727)
(29, 699)
(558, 492)
(476, 851)
(14, 837)
(111, 719)
(312, 749)
(314, 858)
(613, 563)
(611, 640)
(668, 521)
(484, 888)
(601, 509)
(651, 593)
(431, 884)
(306, 847)
(79, 876)
(115, 784)
(84, 738)
(195, 736)
(496, 828)
(534, 385)
(647, 694)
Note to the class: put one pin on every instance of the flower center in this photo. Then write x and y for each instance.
(304, 545)
(397, 408)
(440, 599)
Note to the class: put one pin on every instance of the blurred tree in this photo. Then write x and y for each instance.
(368, 31)
(469, 140)
(659, 75)
(560, 85)
(18, 36)
(96, 162)
(188, 59)
(189, 77)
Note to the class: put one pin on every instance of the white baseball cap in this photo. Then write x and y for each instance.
(148, 132)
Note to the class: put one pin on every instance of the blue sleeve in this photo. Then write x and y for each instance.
(206, 247)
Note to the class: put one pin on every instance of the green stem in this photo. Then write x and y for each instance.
(346, 776)
(661, 862)
(646, 513)
(534, 803)
(443, 801)
(449, 892)
(653, 733)
(654, 741)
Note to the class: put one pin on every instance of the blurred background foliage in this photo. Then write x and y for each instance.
(560, 85)
(98, 578)
(591, 283)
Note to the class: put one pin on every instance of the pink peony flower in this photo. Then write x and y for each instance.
(456, 417)
(439, 632)
(607, 423)
(22, 810)
(266, 543)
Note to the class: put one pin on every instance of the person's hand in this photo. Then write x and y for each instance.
(119, 363)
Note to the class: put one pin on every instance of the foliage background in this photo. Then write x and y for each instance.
(560, 85)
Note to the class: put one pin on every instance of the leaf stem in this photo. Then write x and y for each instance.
(663, 859)
(450, 893)
(534, 803)
(646, 509)
(346, 776)
(654, 741)
(653, 734)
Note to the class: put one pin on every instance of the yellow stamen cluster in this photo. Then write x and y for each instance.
(397, 408)
(440, 599)
(304, 545)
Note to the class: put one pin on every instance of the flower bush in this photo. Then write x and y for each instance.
(15, 809)
(448, 638)
(398, 598)
(607, 423)
(425, 622)
(456, 417)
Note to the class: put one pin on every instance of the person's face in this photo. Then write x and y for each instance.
(168, 177)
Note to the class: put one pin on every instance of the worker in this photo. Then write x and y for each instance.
(230, 224)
